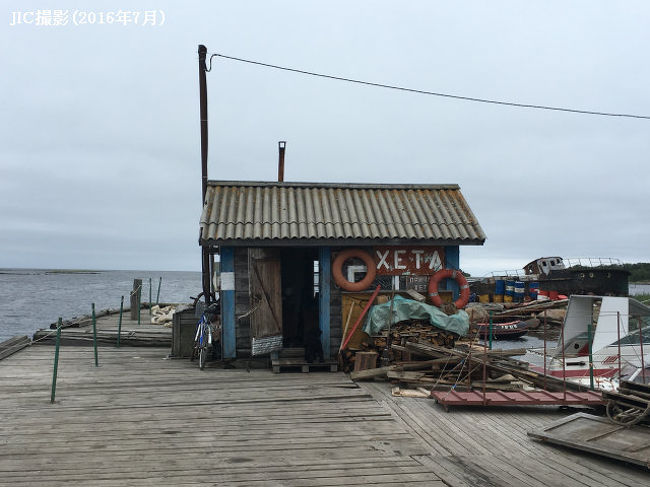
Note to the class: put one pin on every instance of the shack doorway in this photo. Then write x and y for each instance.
(300, 301)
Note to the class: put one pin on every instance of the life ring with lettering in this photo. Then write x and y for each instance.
(337, 270)
(449, 274)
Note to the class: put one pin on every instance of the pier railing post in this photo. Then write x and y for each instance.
(158, 293)
(119, 323)
(545, 349)
(56, 359)
(563, 368)
(149, 296)
(490, 330)
(591, 359)
(95, 336)
(618, 334)
(641, 344)
(485, 361)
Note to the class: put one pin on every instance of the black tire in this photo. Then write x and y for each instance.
(203, 356)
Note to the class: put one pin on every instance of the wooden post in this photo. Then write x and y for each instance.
(119, 323)
(135, 298)
(95, 336)
(56, 359)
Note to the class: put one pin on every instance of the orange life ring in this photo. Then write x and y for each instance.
(449, 274)
(337, 270)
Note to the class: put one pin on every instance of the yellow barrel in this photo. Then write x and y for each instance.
(498, 298)
(484, 298)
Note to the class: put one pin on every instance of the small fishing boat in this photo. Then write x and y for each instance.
(504, 331)
(605, 339)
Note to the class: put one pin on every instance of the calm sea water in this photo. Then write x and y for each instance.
(636, 289)
(33, 298)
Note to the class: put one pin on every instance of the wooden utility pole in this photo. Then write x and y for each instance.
(203, 101)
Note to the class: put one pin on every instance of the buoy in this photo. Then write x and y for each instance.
(449, 274)
(337, 270)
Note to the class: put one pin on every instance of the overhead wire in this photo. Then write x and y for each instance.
(432, 93)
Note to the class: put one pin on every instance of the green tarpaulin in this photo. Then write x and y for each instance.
(409, 309)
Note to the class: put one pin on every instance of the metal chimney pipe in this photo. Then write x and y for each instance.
(282, 145)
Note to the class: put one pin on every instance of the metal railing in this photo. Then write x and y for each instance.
(592, 262)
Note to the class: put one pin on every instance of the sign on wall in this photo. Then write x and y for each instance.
(399, 261)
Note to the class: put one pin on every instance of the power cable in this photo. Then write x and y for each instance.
(432, 93)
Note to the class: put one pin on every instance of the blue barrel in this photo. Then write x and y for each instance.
(510, 288)
(533, 289)
(520, 288)
(499, 287)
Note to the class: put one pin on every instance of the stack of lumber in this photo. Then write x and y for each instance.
(393, 342)
(552, 311)
(412, 331)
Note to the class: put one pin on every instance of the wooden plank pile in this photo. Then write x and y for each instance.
(464, 368)
(395, 340)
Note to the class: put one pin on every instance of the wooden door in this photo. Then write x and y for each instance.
(264, 267)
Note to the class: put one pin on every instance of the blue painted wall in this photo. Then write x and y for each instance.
(452, 261)
(325, 276)
(229, 346)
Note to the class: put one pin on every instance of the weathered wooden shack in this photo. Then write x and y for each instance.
(277, 241)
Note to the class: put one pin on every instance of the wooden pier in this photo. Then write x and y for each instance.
(143, 333)
(142, 419)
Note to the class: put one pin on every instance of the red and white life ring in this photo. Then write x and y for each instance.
(449, 274)
(337, 270)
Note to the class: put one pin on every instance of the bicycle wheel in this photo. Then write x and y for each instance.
(197, 343)
(203, 345)
(203, 356)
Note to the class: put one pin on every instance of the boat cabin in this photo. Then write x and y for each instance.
(604, 321)
(544, 266)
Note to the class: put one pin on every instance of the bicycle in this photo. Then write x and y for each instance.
(204, 334)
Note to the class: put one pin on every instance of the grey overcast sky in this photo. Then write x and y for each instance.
(99, 143)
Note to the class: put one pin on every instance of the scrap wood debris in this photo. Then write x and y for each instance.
(399, 335)
(464, 368)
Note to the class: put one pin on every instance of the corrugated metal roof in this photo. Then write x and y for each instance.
(238, 211)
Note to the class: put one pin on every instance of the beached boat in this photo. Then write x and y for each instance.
(600, 276)
(504, 331)
(553, 277)
(613, 331)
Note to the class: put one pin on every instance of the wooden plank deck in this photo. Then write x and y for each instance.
(599, 435)
(132, 333)
(141, 419)
(470, 446)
